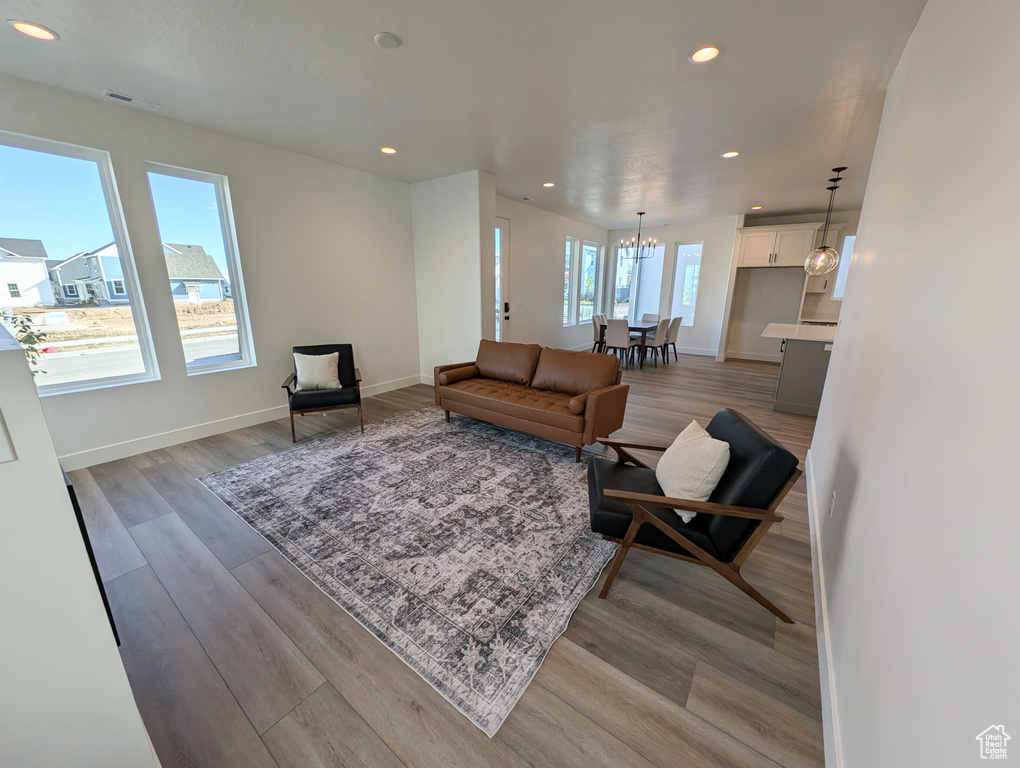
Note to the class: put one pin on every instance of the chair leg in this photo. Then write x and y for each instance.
(675, 357)
(447, 417)
(621, 553)
(293, 432)
(577, 455)
(732, 575)
(361, 417)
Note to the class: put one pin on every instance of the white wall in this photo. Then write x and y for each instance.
(917, 431)
(64, 699)
(718, 234)
(448, 251)
(762, 296)
(326, 253)
(535, 287)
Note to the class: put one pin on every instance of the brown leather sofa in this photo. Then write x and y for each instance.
(570, 397)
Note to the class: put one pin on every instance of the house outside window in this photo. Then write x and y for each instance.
(13, 290)
(118, 287)
(196, 226)
(685, 281)
(61, 226)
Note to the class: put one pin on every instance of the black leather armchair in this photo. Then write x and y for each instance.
(628, 506)
(320, 400)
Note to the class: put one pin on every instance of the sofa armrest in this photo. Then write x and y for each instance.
(603, 414)
(457, 374)
(440, 369)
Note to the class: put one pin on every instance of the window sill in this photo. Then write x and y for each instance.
(200, 370)
(75, 387)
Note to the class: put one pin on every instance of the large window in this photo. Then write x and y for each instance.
(64, 244)
(580, 281)
(587, 281)
(568, 281)
(685, 281)
(638, 283)
(196, 228)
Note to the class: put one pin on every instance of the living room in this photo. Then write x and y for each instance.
(329, 241)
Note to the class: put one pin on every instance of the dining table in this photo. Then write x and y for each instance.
(643, 328)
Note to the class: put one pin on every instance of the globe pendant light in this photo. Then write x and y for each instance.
(824, 259)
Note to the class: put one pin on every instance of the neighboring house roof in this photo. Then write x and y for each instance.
(26, 249)
(190, 262)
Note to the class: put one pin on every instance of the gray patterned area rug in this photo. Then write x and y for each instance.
(463, 547)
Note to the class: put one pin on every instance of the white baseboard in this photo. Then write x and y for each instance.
(122, 450)
(830, 713)
(756, 356)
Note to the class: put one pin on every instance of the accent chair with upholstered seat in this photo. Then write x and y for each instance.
(628, 506)
(348, 395)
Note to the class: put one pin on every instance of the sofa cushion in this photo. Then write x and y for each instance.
(504, 361)
(516, 400)
(575, 373)
(458, 374)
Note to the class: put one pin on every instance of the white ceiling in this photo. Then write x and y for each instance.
(595, 95)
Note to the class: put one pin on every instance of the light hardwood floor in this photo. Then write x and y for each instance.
(235, 659)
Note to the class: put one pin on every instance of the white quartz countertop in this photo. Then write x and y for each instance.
(824, 333)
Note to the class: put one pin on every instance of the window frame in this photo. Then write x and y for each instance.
(123, 288)
(14, 290)
(68, 288)
(139, 315)
(235, 277)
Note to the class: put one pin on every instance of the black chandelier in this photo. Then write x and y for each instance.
(641, 249)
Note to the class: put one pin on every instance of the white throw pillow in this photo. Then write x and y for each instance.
(317, 371)
(692, 466)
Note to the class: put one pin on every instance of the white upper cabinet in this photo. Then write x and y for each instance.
(757, 248)
(793, 246)
(786, 246)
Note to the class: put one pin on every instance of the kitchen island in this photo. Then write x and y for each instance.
(806, 350)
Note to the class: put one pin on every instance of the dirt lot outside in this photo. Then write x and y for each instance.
(100, 322)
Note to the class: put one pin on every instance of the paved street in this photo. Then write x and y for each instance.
(62, 367)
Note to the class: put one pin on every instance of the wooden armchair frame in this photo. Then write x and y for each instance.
(289, 383)
(637, 503)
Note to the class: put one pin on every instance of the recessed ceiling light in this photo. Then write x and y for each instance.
(731, 153)
(387, 40)
(702, 55)
(37, 31)
(548, 184)
(388, 150)
(756, 207)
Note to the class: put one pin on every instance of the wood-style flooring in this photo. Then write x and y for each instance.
(235, 659)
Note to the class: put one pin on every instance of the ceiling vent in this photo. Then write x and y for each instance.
(123, 98)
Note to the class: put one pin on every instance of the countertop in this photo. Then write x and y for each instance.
(799, 332)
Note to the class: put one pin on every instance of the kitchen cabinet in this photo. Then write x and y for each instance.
(786, 246)
(819, 284)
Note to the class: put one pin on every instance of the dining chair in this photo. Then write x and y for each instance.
(649, 318)
(674, 328)
(596, 327)
(618, 340)
(657, 342)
